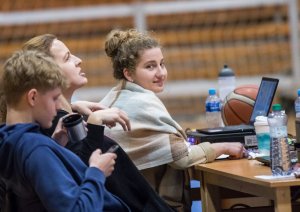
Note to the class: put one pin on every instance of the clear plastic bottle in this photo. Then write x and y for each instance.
(213, 106)
(297, 124)
(226, 81)
(297, 104)
(280, 153)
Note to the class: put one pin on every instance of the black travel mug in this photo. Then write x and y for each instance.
(75, 127)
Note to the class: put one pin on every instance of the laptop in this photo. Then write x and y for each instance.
(244, 133)
(262, 105)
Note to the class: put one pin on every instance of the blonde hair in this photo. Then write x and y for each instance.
(25, 70)
(40, 43)
(125, 48)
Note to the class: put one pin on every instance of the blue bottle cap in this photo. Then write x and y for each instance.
(212, 91)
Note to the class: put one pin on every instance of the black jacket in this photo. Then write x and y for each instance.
(126, 181)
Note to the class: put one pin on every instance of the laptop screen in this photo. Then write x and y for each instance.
(264, 98)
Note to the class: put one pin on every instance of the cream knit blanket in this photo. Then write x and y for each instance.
(155, 138)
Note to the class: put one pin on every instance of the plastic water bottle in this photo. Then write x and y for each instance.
(297, 123)
(213, 109)
(297, 104)
(280, 154)
(226, 81)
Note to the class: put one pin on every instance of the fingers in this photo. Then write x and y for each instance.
(84, 110)
(82, 107)
(127, 126)
(123, 119)
(60, 123)
(104, 162)
(85, 125)
(237, 150)
(98, 106)
(60, 133)
(108, 163)
(110, 117)
(86, 107)
(115, 115)
(97, 151)
(112, 155)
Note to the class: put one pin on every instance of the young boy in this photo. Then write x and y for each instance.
(39, 174)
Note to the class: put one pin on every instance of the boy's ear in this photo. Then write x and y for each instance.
(31, 96)
(127, 74)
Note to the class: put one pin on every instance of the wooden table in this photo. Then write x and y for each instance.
(239, 175)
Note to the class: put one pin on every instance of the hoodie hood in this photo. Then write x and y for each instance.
(9, 140)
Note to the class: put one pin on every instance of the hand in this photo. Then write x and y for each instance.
(236, 150)
(110, 117)
(233, 149)
(86, 108)
(105, 162)
(60, 134)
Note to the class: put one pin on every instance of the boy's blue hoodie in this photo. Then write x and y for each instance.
(44, 176)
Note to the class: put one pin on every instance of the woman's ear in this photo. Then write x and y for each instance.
(127, 75)
(31, 96)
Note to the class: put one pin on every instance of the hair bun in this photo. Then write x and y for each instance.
(116, 38)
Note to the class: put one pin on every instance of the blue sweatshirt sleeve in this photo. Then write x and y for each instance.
(60, 185)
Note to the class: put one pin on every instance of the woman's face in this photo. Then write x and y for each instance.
(151, 72)
(70, 64)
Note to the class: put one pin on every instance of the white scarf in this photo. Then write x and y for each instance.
(155, 138)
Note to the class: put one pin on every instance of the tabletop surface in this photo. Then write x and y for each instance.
(245, 170)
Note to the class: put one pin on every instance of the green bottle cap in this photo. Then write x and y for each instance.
(276, 107)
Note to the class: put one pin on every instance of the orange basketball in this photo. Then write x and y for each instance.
(238, 105)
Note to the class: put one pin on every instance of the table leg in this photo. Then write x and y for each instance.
(282, 199)
(210, 196)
